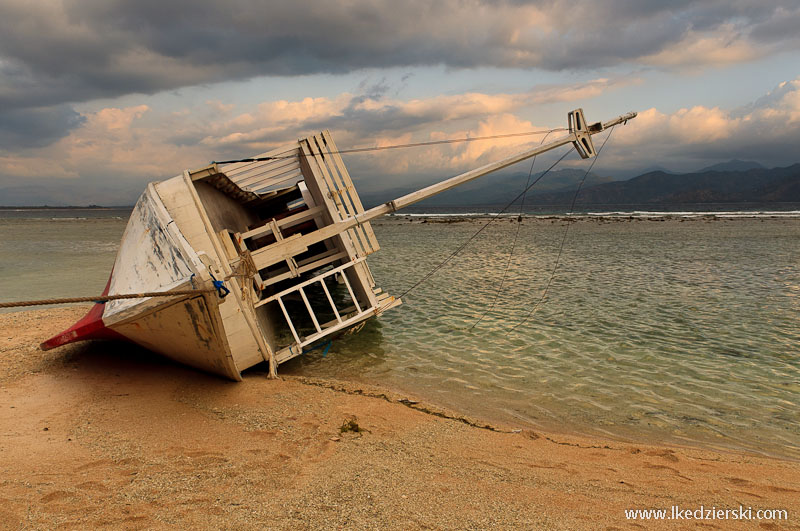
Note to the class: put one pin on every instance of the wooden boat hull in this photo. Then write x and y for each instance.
(201, 226)
(187, 328)
(286, 231)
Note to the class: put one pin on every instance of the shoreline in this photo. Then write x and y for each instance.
(109, 434)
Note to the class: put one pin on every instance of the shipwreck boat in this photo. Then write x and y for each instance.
(285, 239)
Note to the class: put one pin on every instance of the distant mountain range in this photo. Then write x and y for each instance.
(754, 185)
(735, 181)
(733, 165)
(494, 189)
(58, 194)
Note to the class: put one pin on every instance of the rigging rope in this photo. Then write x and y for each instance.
(563, 238)
(513, 243)
(398, 146)
(491, 220)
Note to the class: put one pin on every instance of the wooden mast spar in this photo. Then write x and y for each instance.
(579, 135)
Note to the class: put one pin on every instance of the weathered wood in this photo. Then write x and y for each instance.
(288, 320)
(310, 310)
(333, 150)
(246, 311)
(309, 281)
(308, 265)
(266, 256)
(330, 300)
(288, 221)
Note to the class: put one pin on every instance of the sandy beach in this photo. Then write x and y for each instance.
(108, 435)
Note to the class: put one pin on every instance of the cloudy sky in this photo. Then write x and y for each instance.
(97, 97)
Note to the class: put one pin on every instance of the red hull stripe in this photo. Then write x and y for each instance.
(91, 326)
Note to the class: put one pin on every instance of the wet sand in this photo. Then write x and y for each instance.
(107, 434)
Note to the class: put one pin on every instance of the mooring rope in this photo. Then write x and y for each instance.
(106, 298)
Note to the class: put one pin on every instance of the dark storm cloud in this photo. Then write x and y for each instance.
(36, 127)
(60, 51)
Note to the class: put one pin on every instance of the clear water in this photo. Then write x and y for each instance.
(679, 329)
(57, 253)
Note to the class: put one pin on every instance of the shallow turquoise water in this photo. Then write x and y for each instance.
(673, 331)
(652, 330)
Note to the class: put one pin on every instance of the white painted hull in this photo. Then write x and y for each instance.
(179, 238)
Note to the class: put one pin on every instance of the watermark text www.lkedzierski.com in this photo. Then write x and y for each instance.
(706, 513)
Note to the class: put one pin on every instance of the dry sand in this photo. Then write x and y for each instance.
(108, 435)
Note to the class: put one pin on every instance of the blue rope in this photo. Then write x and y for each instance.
(222, 291)
(326, 345)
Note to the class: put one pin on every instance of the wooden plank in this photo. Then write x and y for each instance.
(310, 281)
(300, 217)
(361, 242)
(330, 300)
(310, 311)
(322, 171)
(335, 186)
(306, 266)
(356, 243)
(294, 219)
(338, 188)
(297, 243)
(230, 250)
(204, 173)
(344, 324)
(288, 320)
(269, 176)
(263, 230)
(366, 281)
(344, 187)
(319, 182)
(348, 182)
(277, 252)
(321, 259)
(286, 151)
(274, 184)
(350, 290)
(274, 280)
(259, 167)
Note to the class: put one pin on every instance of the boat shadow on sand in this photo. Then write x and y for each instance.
(99, 360)
(120, 359)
